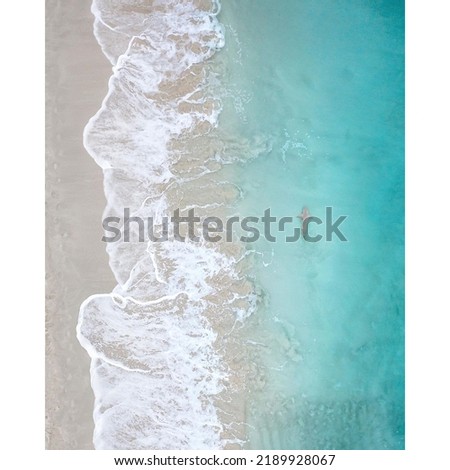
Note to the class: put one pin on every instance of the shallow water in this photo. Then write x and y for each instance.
(322, 84)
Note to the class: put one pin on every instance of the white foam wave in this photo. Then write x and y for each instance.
(155, 368)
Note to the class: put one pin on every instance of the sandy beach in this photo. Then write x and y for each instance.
(76, 261)
(77, 264)
(254, 343)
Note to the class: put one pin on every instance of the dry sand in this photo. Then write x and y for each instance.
(76, 261)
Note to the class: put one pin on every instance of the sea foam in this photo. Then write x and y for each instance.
(157, 373)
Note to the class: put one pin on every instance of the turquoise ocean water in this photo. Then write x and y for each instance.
(321, 84)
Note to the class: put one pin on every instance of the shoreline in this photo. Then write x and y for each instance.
(76, 262)
(175, 169)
